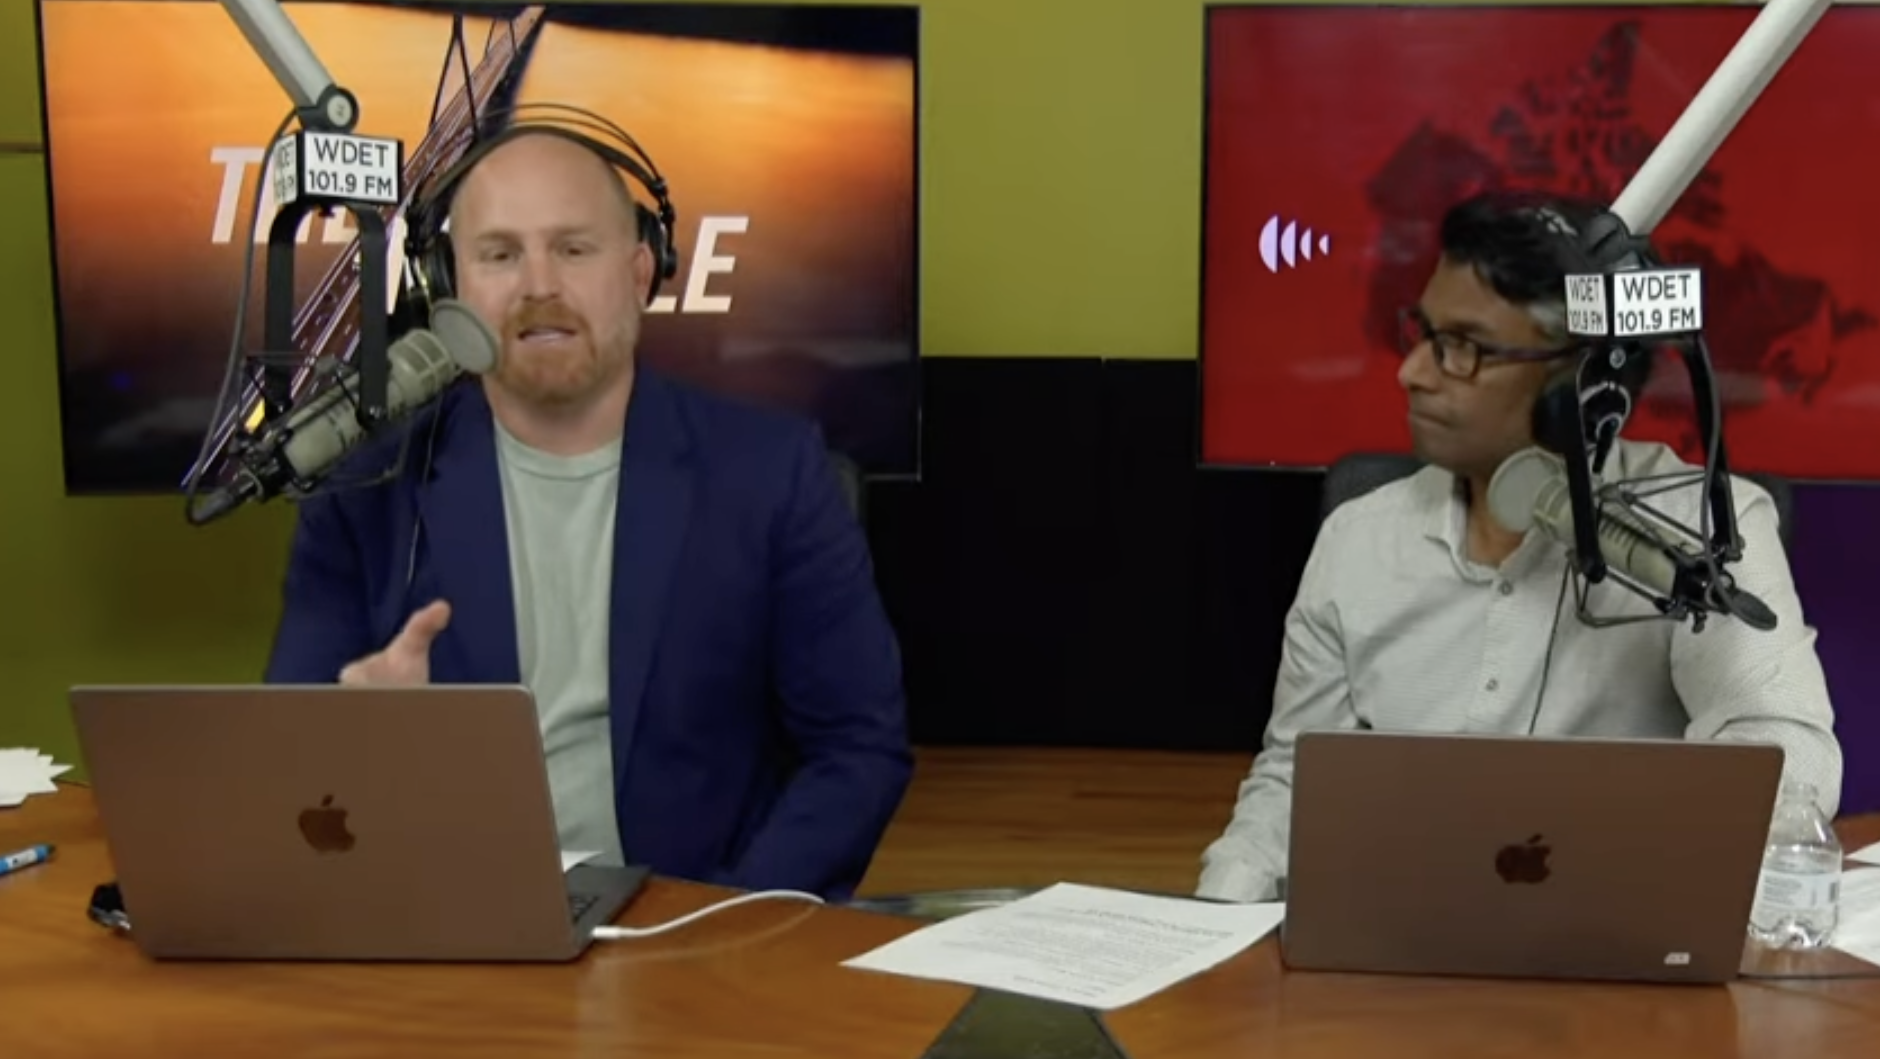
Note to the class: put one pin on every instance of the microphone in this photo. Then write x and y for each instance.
(1531, 489)
(294, 452)
(1622, 303)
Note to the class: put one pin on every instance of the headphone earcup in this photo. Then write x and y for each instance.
(440, 266)
(1567, 418)
(658, 240)
(1556, 417)
(429, 259)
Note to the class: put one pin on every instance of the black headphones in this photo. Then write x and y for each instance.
(428, 252)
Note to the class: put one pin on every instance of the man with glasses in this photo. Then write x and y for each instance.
(1418, 612)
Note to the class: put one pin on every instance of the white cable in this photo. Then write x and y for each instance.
(623, 933)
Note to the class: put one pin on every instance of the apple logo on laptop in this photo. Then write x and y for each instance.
(324, 827)
(1525, 863)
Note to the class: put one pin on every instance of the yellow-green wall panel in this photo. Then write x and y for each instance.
(99, 590)
(19, 73)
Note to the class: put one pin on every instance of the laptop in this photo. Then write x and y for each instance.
(1525, 857)
(338, 823)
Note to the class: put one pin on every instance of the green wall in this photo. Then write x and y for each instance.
(94, 590)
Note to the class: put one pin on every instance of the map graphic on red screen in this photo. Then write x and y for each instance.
(1336, 138)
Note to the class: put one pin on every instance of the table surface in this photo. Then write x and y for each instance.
(764, 980)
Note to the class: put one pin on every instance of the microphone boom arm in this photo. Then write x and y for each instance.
(1724, 543)
(1736, 83)
(1631, 299)
(319, 102)
(374, 334)
(320, 168)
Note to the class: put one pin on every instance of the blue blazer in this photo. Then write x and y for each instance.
(758, 715)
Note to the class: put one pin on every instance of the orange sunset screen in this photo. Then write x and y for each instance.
(787, 136)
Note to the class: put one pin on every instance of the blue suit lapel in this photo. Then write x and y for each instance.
(462, 505)
(650, 520)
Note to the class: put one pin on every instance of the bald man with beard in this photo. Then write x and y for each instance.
(675, 576)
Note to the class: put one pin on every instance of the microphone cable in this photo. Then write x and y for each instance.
(1553, 633)
(1713, 445)
(1724, 600)
(192, 486)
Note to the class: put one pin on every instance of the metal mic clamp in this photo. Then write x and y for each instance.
(323, 171)
(1632, 300)
(1621, 314)
(322, 167)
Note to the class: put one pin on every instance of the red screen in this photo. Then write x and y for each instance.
(1342, 135)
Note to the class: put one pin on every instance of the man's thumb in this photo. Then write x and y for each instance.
(421, 628)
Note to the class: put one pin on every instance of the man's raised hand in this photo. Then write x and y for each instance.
(406, 661)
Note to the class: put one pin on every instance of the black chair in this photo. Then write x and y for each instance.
(1357, 474)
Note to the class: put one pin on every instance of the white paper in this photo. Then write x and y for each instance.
(25, 772)
(1082, 945)
(1857, 929)
(1870, 855)
(570, 858)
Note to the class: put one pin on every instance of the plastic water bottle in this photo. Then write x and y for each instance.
(1798, 899)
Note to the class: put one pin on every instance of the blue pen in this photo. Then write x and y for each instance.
(25, 858)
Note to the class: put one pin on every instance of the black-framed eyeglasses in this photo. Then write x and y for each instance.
(1459, 355)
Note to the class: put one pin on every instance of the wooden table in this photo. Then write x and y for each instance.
(764, 981)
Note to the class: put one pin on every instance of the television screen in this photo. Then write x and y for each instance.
(1337, 136)
(787, 135)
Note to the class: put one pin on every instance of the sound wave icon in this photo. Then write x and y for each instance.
(1289, 245)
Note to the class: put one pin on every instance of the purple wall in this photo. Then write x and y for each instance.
(1837, 572)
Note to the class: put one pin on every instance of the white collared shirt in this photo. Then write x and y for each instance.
(1394, 628)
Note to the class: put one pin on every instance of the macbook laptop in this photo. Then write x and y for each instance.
(1525, 857)
(337, 823)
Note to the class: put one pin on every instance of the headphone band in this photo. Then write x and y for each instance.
(428, 250)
